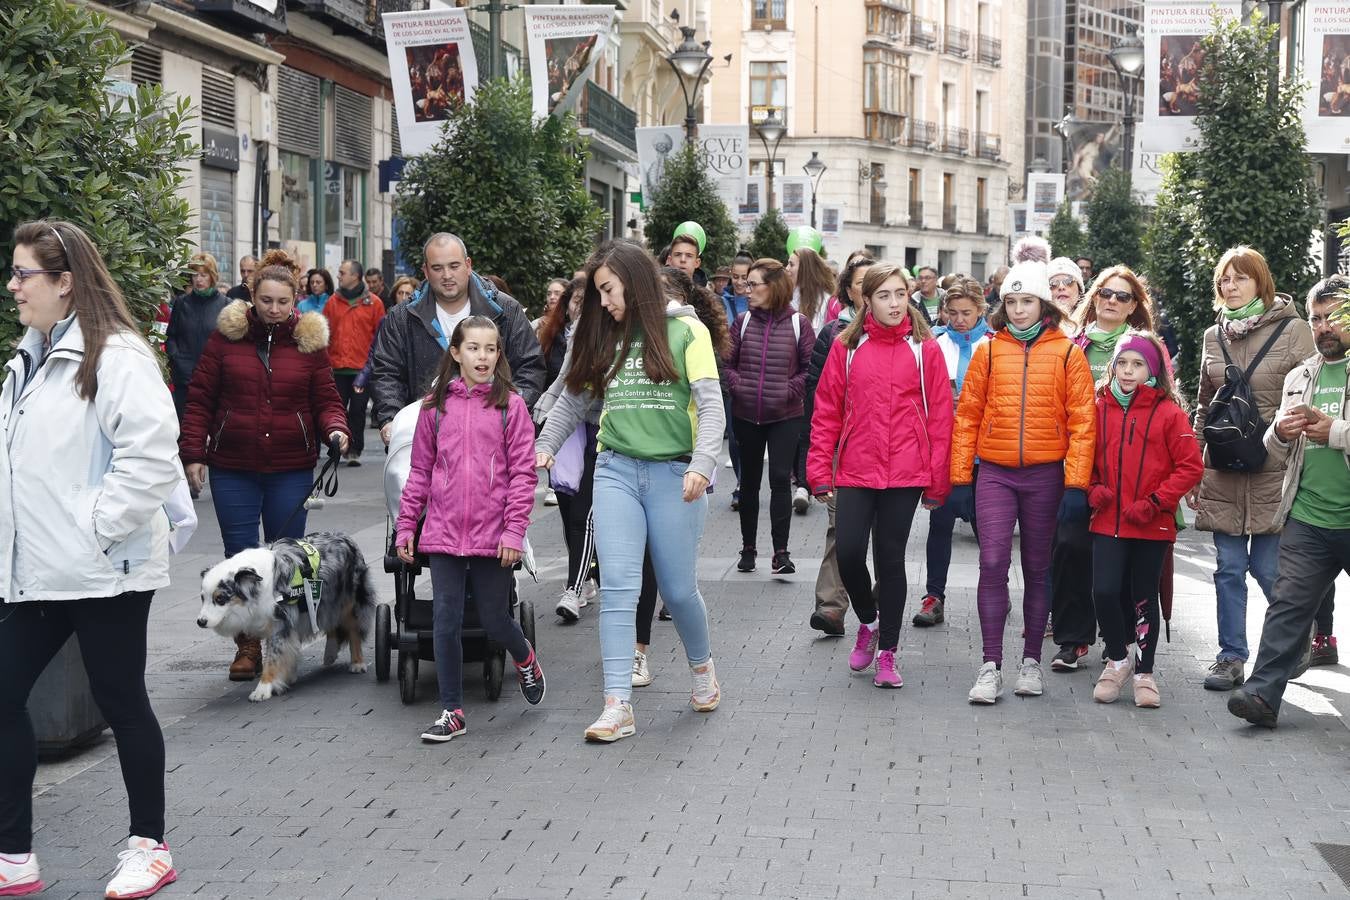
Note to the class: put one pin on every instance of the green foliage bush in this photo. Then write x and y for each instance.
(770, 237)
(1115, 222)
(687, 193)
(1066, 233)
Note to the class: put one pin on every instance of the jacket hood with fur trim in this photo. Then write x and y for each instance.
(309, 331)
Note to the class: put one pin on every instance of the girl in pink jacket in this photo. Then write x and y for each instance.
(473, 476)
(881, 438)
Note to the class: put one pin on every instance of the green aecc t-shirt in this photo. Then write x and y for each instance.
(652, 421)
(1323, 498)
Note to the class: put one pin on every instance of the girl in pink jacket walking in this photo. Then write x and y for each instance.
(881, 438)
(473, 475)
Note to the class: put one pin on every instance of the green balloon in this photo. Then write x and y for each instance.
(804, 236)
(695, 231)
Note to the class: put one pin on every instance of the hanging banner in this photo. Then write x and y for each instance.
(1093, 147)
(1146, 179)
(792, 193)
(831, 220)
(655, 146)
(1326, 111)
(749, 212)
(433, 71)
(563, 42)
(728, 162)
(1173, 61)
(1045, 192)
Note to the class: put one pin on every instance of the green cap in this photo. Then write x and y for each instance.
(804, 236)
(695, 231)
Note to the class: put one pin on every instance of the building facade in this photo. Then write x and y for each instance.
(913, 106)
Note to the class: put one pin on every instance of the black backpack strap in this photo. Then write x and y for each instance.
(1265, 348)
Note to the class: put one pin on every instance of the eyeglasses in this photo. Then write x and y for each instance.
(754, 284)
(1122, 296)
(1061, 282)
(20, 274)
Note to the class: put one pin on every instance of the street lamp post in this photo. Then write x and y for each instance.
(814, 168)
(1127, 57)
(770, 132)
(690, 61)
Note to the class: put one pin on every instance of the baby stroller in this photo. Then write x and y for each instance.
(409, 632)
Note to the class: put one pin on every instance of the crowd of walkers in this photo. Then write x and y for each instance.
(1043, 403)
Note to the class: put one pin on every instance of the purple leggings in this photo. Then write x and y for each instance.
(1003, 497)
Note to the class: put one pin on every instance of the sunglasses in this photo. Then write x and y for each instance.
(1061, 282)
(1122, 296)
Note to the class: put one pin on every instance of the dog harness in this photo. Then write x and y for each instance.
(305, 588)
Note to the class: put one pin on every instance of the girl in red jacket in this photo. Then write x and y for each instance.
(881, 439)
(473, 476)
(1146, 461)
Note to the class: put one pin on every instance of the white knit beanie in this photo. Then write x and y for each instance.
(1062, 265)
(1027, 278)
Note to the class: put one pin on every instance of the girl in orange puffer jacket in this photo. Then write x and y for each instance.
(1027, 411)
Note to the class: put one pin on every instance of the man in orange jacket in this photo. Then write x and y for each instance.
(353, 315)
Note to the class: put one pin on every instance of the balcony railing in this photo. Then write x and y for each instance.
(923, 32)
(360, 17)
(916, 214)
(920, 133)
(602, 111)
(481, 49)
(988, 146)
(956, 41)
(982, 221)
(948, 218)
(246, 15)
(956, 140)
(990, 51)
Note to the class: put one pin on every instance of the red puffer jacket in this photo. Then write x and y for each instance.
(244, 415)
(872, 413)
(1147, 451)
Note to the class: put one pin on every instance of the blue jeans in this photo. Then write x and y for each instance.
(634, 497)
(241, 498)
(1239, 554)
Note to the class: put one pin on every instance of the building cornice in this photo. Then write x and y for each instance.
(133, 29)
(207, 35)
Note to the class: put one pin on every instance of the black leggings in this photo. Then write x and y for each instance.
(891, 513)
(355, 404)
(1125, 574)
(575, 510)
(453, 578)
(111, 632)
(646, 600)
(781, 440)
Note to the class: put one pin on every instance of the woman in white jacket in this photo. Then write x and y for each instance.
(88, 457)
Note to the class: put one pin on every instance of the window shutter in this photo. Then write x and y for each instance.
(352, 138)
(218, 106)
(147, 65)
(298, 112)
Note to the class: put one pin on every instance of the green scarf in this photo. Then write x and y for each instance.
(1121, 397)
(353, 294)
(1028, 334)
(1255, 308)
(1105, 341)
(846, 314)
(206, 294)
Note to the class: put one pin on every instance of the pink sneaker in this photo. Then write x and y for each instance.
(865, 650)
(888, 676)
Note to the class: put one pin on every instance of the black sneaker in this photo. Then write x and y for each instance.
(531, 677)
(747, 563)
(664, 614)
(736, 500)
(1070, 658)
(449, 726)
(1252, 708)
(782, 563)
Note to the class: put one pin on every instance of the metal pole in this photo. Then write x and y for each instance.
(494, 11)
(1273, 87)
(813, 207)
(1129, 125)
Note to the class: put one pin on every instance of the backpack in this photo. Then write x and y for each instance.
(1234, 431)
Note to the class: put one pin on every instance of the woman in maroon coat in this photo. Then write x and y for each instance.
(260, 404)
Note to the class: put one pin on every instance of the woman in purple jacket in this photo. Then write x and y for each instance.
(475, 443)
(766, 377)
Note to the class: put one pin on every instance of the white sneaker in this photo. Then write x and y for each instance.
(988, 684)
(642, 676)
(550, 498)
(569, 606)
(729, 465)
(589, 591)
(1030, 682)
(143, 868)
(801, 501)
(614, 723)
(707, 691)
(19, 875)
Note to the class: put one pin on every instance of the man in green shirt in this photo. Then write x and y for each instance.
(1312, 436)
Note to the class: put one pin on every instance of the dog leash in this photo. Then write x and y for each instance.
(326, 484)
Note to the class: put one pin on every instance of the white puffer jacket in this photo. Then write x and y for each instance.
(83, 484)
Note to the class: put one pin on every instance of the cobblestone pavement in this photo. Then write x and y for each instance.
(807, 782)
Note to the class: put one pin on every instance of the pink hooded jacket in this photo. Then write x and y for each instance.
(475, 479)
